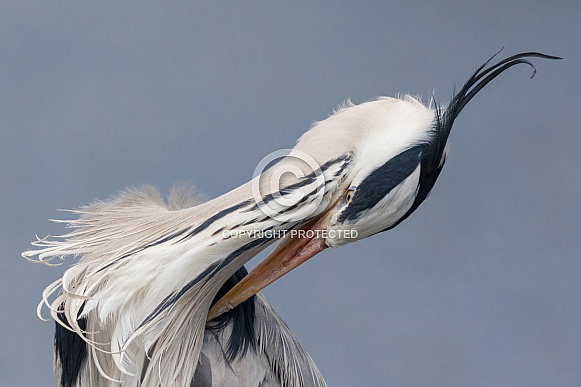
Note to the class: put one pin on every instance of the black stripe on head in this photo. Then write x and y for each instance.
(433, 153)
(381, 182)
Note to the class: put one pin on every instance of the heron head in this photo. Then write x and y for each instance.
(383, 183)
(396, 149)
(401, 156)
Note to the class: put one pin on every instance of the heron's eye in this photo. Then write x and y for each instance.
(349, 195)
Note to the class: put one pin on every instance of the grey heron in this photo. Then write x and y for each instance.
(159, 294)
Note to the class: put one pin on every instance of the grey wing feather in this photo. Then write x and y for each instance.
(278, 361)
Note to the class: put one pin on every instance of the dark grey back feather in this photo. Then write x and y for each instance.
(277, 358)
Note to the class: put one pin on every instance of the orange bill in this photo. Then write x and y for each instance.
(289, 254)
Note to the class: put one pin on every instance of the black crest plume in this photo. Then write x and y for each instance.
(432, 156)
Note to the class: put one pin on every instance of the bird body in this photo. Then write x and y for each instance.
(134, 292)
(159, 295)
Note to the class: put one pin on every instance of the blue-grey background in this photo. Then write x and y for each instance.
(480, 287)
